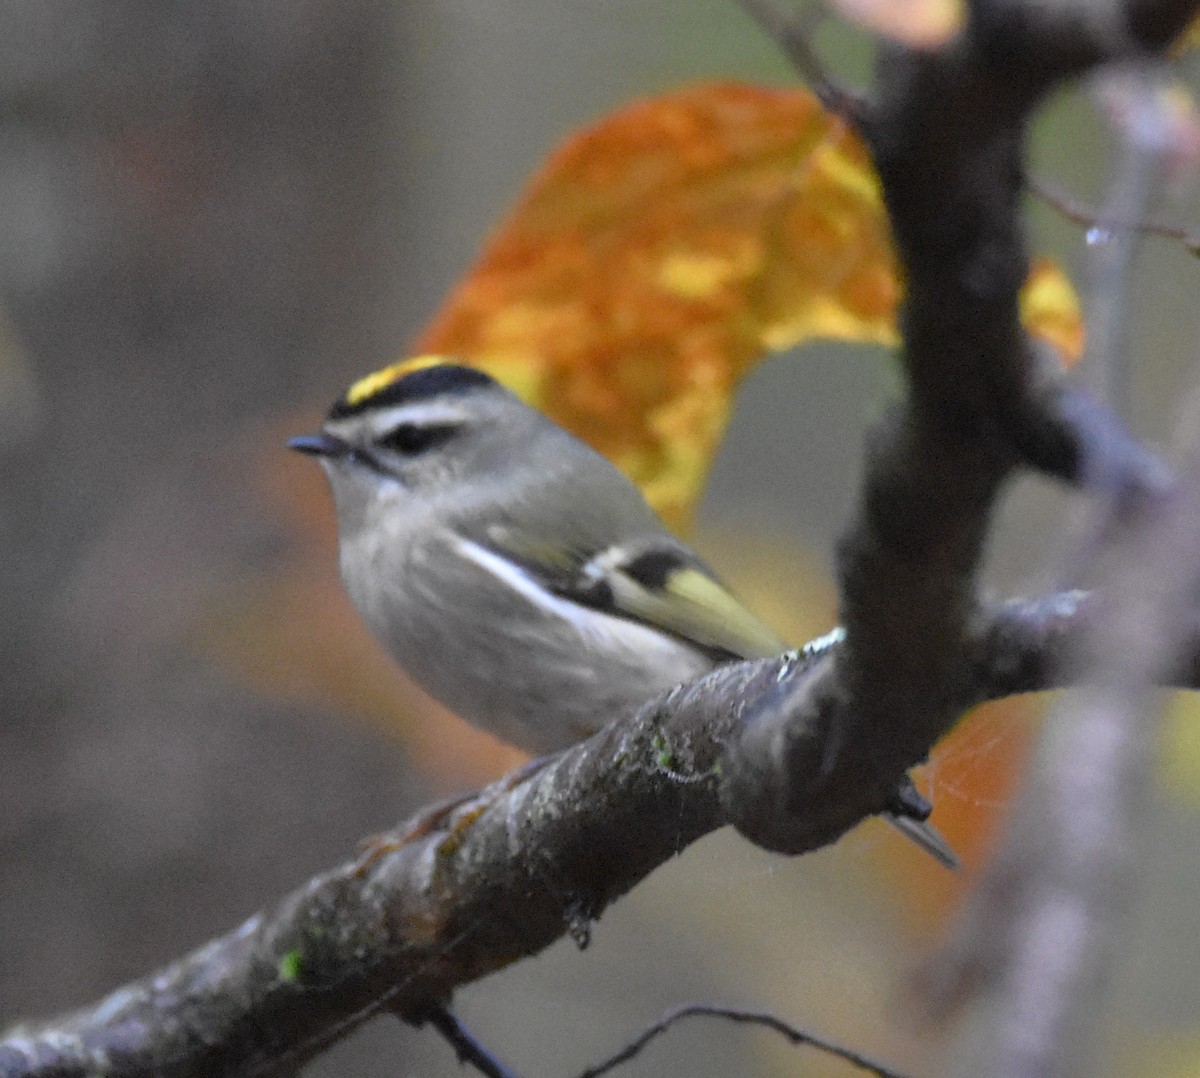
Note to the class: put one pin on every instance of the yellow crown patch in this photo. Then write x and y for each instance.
(371, 384)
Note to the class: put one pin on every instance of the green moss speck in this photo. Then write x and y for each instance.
(662, 752)
(289, 966)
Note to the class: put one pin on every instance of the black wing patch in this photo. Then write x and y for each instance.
(653, 568)
(663, 586)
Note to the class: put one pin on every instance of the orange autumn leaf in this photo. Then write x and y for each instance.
(660, 253)
(972, 778)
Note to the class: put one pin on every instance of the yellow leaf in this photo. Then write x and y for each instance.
(1050, 309)
(1163, 1051)
(1179, 749)
(1188, 40)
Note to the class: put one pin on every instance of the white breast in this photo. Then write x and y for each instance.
(482, 636)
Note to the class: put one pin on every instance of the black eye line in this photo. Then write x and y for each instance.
(412, 439)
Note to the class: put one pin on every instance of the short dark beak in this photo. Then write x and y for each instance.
(320, 445)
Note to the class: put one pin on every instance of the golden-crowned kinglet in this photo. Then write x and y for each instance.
(512, 571)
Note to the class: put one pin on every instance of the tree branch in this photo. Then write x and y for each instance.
(947, 131)
(1042, 928)
(508, 873)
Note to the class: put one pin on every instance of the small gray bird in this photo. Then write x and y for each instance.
(513, 572)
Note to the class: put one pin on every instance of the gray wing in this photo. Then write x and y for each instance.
(655, 580)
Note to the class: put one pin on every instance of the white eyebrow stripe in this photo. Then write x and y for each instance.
(520, 581)
(422, 414)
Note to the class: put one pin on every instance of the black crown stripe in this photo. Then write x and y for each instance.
(446, 379)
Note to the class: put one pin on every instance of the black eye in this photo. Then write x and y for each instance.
(411, 440)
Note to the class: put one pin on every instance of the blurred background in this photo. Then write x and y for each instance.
(212, 218)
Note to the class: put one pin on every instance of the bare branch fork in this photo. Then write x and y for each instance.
(793, 751)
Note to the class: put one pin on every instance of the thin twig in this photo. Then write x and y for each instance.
(1078, 212)
(468, 1049)
(734, 1014)
(792, 33)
